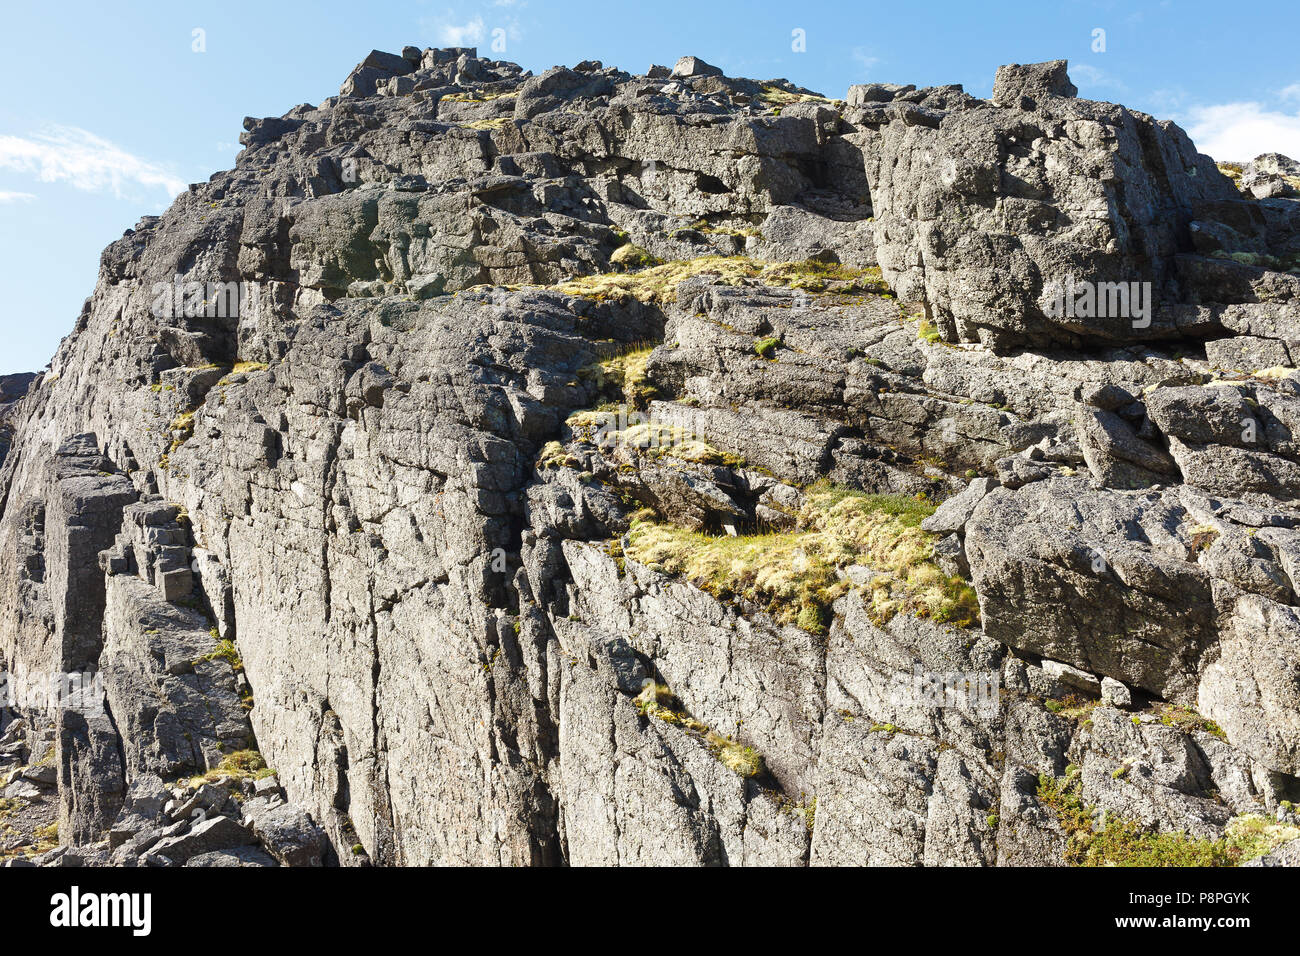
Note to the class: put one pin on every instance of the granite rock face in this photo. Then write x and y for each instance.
(343, 470)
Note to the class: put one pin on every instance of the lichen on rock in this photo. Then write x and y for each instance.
(675, 469)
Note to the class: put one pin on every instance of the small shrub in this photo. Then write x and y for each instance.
(226, 651)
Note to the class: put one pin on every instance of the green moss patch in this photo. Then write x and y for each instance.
(631, 256)
(1072, 706)
(226, 651)
(1187, 720)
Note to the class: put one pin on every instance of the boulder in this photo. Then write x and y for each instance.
(1015, 83)
(691, 66)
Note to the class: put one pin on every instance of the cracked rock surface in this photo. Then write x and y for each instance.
(593, 468)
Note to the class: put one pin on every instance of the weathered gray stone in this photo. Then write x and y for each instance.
(290, 836)
(355, 527)
(208, 836)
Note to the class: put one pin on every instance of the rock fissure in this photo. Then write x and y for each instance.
(511, 331)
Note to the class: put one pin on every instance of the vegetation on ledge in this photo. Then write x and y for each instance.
(1105, 839)
(241, 764)
(796, 575)
(656, 700)
(625, 374)
(658, 284)
(652, 439)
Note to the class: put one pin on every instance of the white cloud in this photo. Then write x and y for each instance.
(1291, 92)
(467, 34)
(1089, 77)
(15, 197)
(1241, 131)
(88, 162)
(864, 58)
(1166, 101)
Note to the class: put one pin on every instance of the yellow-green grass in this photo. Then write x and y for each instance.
(775, 96)
(498, 123)
(241, 764)
(652, 439)
(1094, 839)
(625, 371)
(478, 96)
(631, 256)
(658, 284)
(794, 575)
(656, 700)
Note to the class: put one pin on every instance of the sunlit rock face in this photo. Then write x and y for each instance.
(591, 468)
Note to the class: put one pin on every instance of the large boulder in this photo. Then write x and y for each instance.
(1253, 689)
(1039, 218)
(1057, 577)
(1015, 83)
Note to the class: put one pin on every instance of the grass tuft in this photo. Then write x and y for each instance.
(795, 576)
(1094, 839)
(631, 257)
(1187, 720)
(625, 372)
(241, 764)
(658, 701)
(226, 651)
(658, 285)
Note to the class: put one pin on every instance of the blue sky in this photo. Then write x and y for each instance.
(111, 111)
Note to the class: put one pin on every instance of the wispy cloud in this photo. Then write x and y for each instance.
(470, 33)
(1165, 101)
(88, 162)
(1241, 131)
(864, 58)
(15, 197)
(1089, 77)
(1291, 92)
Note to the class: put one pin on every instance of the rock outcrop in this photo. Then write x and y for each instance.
(667, 469)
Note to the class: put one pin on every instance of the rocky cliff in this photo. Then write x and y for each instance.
(590, 468)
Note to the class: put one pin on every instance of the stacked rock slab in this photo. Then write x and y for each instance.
(304, 480)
